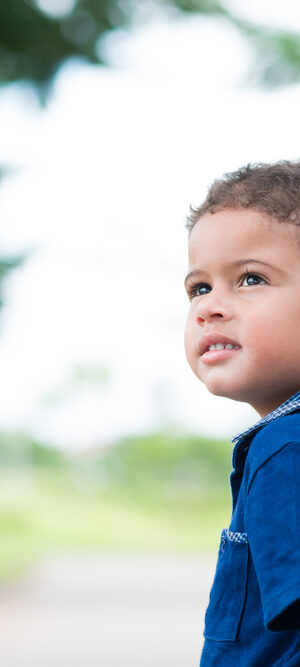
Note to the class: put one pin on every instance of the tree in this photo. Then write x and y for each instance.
(7, 264)
(34, 43)
(277, 52)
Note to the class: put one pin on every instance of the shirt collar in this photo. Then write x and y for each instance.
(292, 404)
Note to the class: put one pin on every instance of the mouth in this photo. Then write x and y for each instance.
(212, 356)
(215, 347)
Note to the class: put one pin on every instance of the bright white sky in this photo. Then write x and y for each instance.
(104, 178)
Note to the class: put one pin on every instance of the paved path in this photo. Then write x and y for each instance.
(106, 611)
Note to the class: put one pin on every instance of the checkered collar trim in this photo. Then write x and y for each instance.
(285, 408)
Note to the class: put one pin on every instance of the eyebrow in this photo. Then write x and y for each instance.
(240, 262)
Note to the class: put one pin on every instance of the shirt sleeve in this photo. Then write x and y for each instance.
(272, 521)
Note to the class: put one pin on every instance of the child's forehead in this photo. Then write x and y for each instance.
(237, 220)
(237, 234)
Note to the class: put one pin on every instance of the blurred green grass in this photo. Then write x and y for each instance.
(161, 492)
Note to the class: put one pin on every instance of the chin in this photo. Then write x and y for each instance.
(221, 389)
(220, 392)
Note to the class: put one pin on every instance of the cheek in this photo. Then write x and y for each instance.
(265, 338)
(189, 337)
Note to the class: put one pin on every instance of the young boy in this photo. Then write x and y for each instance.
(243, 341)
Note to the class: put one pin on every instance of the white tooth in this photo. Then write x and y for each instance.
(236, 347)
(220, 346)
(212, 347)
(228, 346)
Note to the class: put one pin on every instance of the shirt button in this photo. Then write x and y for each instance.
(223, 544)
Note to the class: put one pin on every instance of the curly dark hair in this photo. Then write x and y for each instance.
(271, 189)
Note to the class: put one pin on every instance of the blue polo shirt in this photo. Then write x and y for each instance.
(253, 617)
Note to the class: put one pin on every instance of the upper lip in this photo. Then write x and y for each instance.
(212, 339)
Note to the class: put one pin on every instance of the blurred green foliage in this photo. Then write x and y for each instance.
(151, 493)
(18, 450)
(34, 43)
(168, 466)
(37, 37)
(276, 51)
(8, 264)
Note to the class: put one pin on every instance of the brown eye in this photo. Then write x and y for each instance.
(252, 279)
(197, 289)
(201, 288)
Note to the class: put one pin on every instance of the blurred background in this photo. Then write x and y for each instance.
(115, 116)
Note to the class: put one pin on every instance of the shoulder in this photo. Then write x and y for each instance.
(272, 439)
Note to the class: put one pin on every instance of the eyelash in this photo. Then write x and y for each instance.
(191, 290)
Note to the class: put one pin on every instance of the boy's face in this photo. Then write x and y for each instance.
(245, 286)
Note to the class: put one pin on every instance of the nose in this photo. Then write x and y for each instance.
(213, 306)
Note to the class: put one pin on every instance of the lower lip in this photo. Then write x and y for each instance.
(212, 356)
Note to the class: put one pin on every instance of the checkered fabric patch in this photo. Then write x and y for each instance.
(241, 538)
(285, 408)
